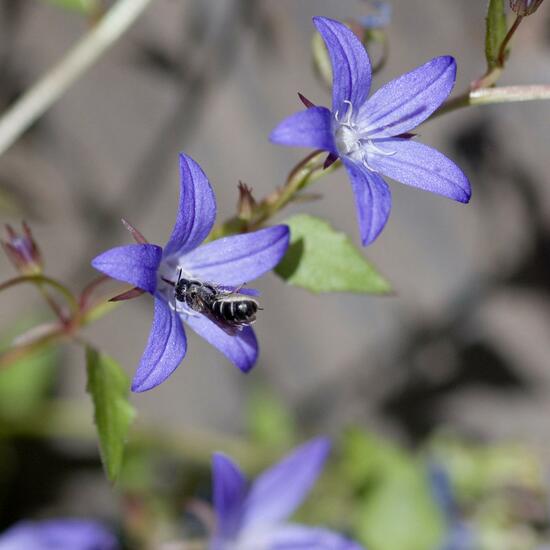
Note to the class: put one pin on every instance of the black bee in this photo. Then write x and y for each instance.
(228, 309)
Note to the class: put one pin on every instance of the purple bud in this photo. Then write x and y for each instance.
(22, 250)
(525, 7)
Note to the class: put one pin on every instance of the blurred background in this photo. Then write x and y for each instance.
(452, 370)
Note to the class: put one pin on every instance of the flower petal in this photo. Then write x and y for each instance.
(61, 534)
(196, 211)
(234, 260)
(165, 349)
(405, 102)
(280, 490)
(241, 349)
(229, 487)
(136, 264)
(351, 69)
(301, 537)
(309, 128)
(416, 164)
(372, 200)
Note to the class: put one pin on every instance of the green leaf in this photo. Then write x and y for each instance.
(109, 387)
(495, 31)
(397, 509)
(25, 384)
(269, 421)
(322, 259)
(81, 6)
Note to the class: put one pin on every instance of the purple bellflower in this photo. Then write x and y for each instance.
(58, 534)
(370, 135)
(227, 263)
(255, 516)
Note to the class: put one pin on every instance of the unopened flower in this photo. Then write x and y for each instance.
(58, 534)
(23, 251)
(380, 18)
(370, 135)
(255, 516)
(525, 7)
(226, 263)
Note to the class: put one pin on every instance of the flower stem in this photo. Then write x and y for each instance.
(16, 353)
(38, 99)
(507, 94)
(506, 41)
(303, 174)
(501, 94)
(41, 280)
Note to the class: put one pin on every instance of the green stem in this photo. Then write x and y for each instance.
(21, 351)
(41, 280)
(303, 174)
(508, 94)
(501, 94)
(37, 100)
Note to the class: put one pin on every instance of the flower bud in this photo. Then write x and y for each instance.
(22, 251)
(525, 7)
(247, 203)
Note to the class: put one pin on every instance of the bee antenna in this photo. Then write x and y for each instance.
(168, 281)
(179, 277)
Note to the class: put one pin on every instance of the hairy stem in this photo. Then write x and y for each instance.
(501, 94)
(38, 99)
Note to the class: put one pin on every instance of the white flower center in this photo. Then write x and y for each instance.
(169, 270)
(353, 141)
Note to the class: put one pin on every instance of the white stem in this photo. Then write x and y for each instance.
(38, 99)
(504, 94)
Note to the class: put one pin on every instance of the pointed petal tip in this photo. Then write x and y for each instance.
(319, 21)
(196, 209)
(447, 61)
(138, 387)
(219, 458)
(311, 127)
(165, 349)
(135, 264)
(321, 445)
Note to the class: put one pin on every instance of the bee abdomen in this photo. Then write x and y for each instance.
(235, 310)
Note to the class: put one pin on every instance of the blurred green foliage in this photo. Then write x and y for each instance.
(81, 6)
(27, 382)
(269, 422)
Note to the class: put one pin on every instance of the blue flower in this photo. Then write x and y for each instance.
(254, 517)
(459, 535)
(58, 534)
(225, 263)
(370, 135)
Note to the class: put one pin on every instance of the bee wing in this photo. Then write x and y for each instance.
(231, 330)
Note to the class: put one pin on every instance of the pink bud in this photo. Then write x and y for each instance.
(525, 7)
(22, 250)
